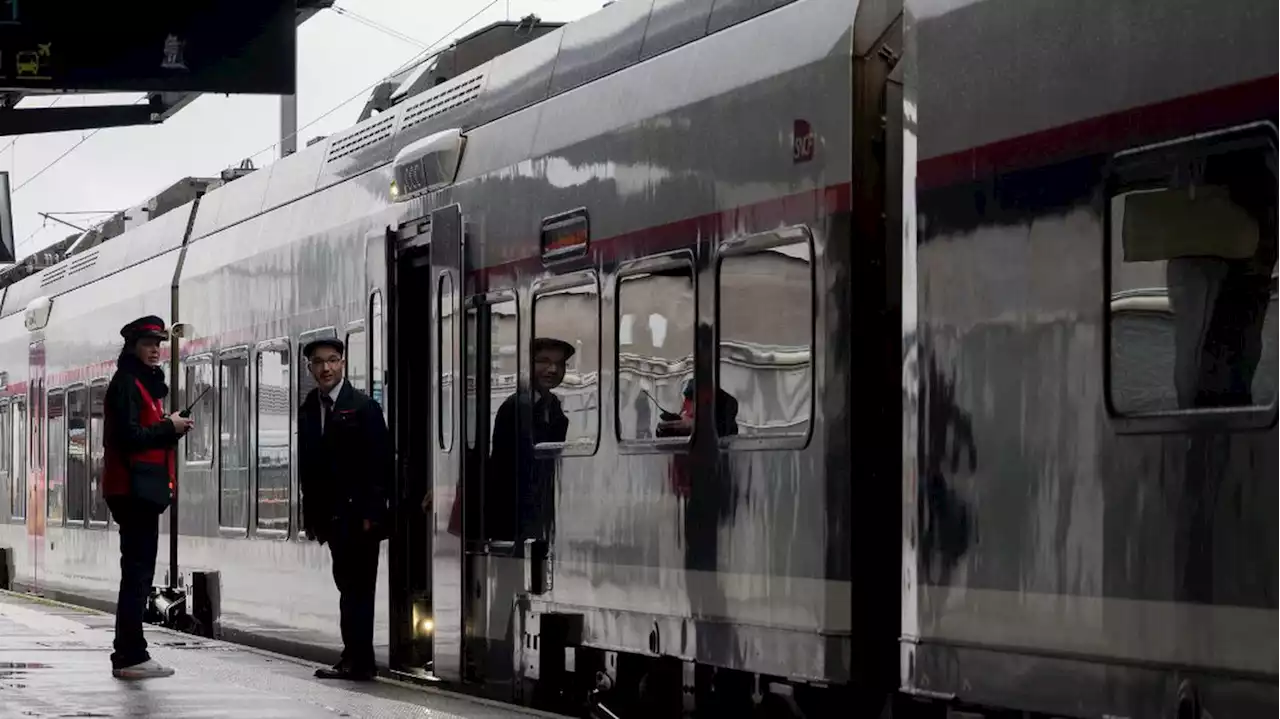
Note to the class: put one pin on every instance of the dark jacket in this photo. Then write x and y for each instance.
(523, 483)
(139, 455)
(345, 474)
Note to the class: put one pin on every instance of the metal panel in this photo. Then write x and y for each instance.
(673, 23)
(447, 253)
(295, 176)
(732, 12)
(519, 78)
(600, 43)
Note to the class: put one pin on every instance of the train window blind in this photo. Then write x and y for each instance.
(656, 321)
(198, 377)
(98, 512)
(77, 454)
(566, 322)
(274, 427)
(233, 434)
(1192, 277)
(765, 326)
(56, 457)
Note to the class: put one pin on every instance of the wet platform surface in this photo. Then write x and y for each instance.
(54, 662)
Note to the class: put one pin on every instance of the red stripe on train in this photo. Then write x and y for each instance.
(1203, 112)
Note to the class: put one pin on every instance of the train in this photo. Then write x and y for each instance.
(971, 305)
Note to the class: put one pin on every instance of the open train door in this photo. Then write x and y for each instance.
(447, 257)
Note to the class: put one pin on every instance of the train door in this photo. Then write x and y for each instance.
(409, 372)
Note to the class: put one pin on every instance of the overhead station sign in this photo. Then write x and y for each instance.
(227, 46)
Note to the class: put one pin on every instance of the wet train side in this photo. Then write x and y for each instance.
(1094, 332)
(594, 196)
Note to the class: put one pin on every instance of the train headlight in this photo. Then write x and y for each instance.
(426, 625)
(395, 191)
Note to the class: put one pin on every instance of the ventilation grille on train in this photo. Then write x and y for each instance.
(362, 138)
(79, 263)
(442, 101)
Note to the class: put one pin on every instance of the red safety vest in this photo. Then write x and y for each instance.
(153, 463)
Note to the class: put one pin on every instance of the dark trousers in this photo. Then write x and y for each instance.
(355, 571)
(139, 526)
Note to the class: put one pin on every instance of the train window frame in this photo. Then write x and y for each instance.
(750, 245)
(551, 285)
(377, 329)
(68, 521)
(1120, 178)
(188, 365)
(6, 450)
(231, 353)
(21, 441)
(100, 382)
(59, 392)
(301, 370)
(279, 344)
(679, 259)
(352, 329)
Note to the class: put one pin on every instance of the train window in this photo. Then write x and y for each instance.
(199, 378)
(98, 512)
(6, 456)
(765, 346)
(446, 316)
(357, 359)
(56, 456)
(377, 367)
(77, 453)
(18, 414)
(656, 321)
(1192, 245)
(275, 421)
(233, 438)
(565, 363)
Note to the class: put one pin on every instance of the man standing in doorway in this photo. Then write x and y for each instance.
(346, 466)
(139, 456)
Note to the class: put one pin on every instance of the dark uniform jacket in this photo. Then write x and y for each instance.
(139, 441)
(524, 484)
(346, 473)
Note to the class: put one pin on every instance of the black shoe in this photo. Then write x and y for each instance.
(345, 671)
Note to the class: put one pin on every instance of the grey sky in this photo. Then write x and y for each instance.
(337, 57)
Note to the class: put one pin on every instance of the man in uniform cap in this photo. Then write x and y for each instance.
(346, 467)
(139, 447)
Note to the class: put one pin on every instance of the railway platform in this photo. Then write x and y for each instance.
(54, 663)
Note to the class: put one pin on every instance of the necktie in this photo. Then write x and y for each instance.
(326, 406)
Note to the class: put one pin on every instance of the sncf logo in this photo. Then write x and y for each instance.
(802, 142)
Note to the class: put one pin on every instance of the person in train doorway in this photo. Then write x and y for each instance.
(517, 472)
(346, 466)
(139, 448)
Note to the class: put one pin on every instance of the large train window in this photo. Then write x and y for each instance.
(1192, 310)
(233, 439)
(77, 453)
(18, 415)
(565, 364)
(56, 457)
(99, 514)
(274, 427)
(765, 323)
(198, 377)
(656, 321)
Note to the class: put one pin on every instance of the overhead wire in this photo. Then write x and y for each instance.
(421, 56)
(374, 24)
(64, 155)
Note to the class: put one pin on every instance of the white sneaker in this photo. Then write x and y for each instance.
(150, 669)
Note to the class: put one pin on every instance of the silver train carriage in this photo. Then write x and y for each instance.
(990, 284)
(1094, 351)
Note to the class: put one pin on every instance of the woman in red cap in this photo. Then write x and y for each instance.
(139, 447)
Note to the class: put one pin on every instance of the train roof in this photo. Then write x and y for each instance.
(558, 60)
